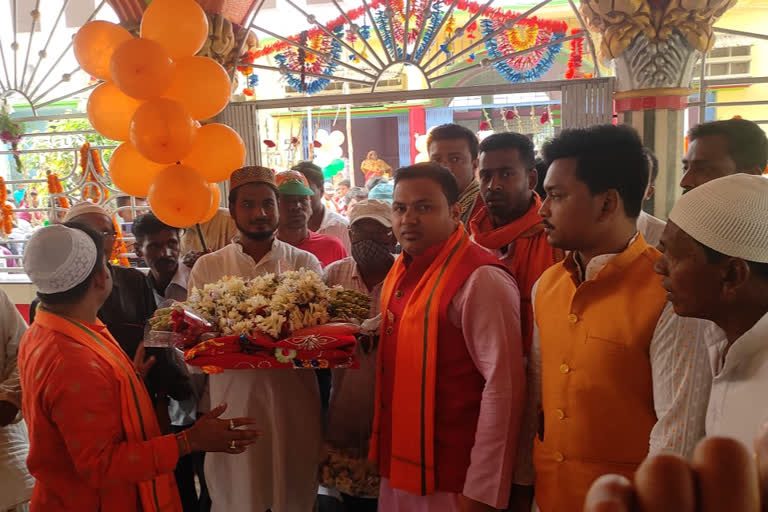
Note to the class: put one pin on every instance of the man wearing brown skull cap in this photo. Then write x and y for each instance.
(280, 472)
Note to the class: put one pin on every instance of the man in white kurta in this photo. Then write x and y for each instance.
(15, 481)
(279, 472)
(715, 266)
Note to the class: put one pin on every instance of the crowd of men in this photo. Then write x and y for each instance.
(521, 346)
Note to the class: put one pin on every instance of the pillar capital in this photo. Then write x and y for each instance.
(654, 43)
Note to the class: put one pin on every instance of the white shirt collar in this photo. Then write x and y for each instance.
(745, 347)
(278, 252)
(599, 262)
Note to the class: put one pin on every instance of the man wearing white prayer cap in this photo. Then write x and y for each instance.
(95, 443)
(127, 310)
(715, 266)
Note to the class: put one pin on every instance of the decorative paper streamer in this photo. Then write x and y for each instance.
(575, 59)
(318, 65)
(434, 21)
(525, 68)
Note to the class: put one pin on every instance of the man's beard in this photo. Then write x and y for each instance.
(259, 236)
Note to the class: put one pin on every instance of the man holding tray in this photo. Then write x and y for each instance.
(279, 472)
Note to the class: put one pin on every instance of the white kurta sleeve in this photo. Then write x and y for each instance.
(682, 379)
(12, 327)
(524, 470)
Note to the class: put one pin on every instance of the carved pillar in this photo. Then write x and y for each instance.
(654, 45)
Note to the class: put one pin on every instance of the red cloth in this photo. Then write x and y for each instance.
(326, 248)
(79, 453)
(307, 350)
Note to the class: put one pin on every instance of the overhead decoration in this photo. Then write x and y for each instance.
(155, 93)
(297, 62)
(573, 69)
(425, 18)
(529, 66)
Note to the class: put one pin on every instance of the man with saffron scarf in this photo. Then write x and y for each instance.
(450, 380)
(95, 442)
(509, 224)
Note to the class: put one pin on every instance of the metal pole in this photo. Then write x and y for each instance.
(703, 89)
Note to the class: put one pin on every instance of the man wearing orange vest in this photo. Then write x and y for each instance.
(509, 224)
(450, 380)
(614, 373)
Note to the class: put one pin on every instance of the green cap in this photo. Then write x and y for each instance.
(293, 183)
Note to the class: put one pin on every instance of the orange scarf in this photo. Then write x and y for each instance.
(138, 414)
(527, 226)
(412, 465)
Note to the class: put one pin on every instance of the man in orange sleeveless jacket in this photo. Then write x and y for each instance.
(614, 373)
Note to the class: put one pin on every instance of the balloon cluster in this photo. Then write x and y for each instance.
(154, 93)
(328, 153)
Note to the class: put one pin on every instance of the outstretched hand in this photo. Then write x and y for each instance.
(213, 434)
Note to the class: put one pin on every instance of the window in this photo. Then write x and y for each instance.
(467, 101)
(733, 62)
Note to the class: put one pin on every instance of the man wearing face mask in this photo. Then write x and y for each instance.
(350, 414)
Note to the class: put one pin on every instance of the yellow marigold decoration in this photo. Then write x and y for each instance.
(450, 25)
(54, 187)
(531, 32)
(6, 218)
(92, 192)
(119, 248)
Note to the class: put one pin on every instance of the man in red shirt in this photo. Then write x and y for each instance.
(295, 211)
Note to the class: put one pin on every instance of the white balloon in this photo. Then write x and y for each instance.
(421, 144)
(323, 159)
(321, 136)
(336, 138)
(421, 157)
(336, 152)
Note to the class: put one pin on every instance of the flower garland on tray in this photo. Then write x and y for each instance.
(273, 304)
(524, 68)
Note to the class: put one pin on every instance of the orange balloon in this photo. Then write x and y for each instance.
(94, 45)
(181, 26)
(141, 68)
(200, 84)
(179, 196)
(215, 200)
(218, 150)
(110, 111)
(162, 130)
(131, 172)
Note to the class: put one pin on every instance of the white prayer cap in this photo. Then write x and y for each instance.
(375, 209)
(728, 215)
(82, 209)
(58, 258)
